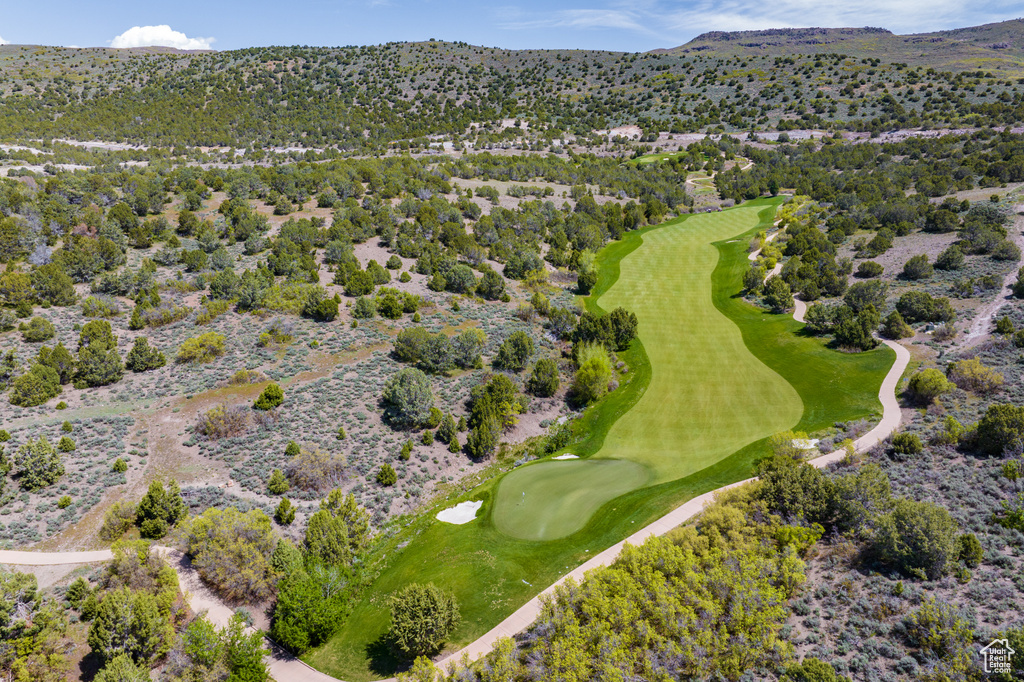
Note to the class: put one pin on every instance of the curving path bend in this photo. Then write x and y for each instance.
(286, 668)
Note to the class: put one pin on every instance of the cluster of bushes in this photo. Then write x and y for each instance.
(318, 579)
(388, 303)
(916, 538)
(436, 352)
(98, 364)
(159, 510)
(493, 406)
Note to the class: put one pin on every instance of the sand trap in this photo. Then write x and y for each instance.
(463, 512)
(566, 456)
(805, 443)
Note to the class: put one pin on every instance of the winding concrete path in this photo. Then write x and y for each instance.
(286, 668)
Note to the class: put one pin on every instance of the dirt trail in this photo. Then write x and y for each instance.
(981, 325)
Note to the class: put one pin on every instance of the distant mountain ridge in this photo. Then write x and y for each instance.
(1003, 41)
(815, 35)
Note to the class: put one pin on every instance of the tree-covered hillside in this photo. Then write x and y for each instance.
(365, 97)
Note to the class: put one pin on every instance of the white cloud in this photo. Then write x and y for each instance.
(578, 19)
(4, 42)
(163, 36)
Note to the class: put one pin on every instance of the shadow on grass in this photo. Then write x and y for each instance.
(90, 665)
(383, 658)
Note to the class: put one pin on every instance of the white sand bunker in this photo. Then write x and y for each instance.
(806, 443)
(463, 512)
(566, 456)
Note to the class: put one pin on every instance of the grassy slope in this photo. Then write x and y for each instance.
(708, 396)
(487, 570)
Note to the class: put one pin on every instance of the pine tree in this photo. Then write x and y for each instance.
(278, 483)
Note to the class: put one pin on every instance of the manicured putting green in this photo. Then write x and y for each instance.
(708, 397)
(554, 499)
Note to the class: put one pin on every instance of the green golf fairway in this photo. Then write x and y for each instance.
(708, 396)
(492, 572)
(555, 499)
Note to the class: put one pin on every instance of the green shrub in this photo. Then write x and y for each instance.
(1005, 326)
(310, 607)
(271, 397)
(447, 429)
(593, 374)
(917, 536)
(812, 670)
(38, 464)
(211, 310)
(919, 306)
(319, 306)
(868, 269)
(119, 466)
(37, 329)
(364, 309)
(77, 591)
(386, 475)
(231, 551)
(66, 444)
(434, 418)
(201, 349)
(407, 398)
(143, 357)
(905, 444)
(285, 512)
(35, 387)
(64, 502)
(422, 617)
(406, 451)
(972, 375)
(854, 330)
(544, 380)
(160, 509)
(942, 634)
(119, 518)
(928, 384)
(777, 295)
(1001, 429)
(970, 551)
(278, 483)
(895, 328)
(918, 268)
(100, 306)
(950, 259)
(862, 294)
(129, 622)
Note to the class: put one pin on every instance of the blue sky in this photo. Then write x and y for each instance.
(631, 25)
